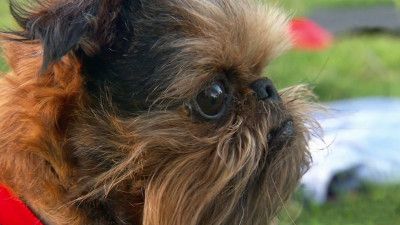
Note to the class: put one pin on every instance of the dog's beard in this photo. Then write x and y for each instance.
(197, 173)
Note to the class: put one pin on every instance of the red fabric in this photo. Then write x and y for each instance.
(308, 35)
(13, 211)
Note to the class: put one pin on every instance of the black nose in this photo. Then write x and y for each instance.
(265, 90)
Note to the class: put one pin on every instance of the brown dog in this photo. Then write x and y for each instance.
(150, 112)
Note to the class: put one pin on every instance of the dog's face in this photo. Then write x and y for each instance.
(179, 126)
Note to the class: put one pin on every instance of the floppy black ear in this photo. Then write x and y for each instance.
(61, 26)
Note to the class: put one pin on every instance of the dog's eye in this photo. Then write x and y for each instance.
(211, 101)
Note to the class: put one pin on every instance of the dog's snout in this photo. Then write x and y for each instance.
(265, 90)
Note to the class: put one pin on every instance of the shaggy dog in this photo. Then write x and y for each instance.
(151, 112)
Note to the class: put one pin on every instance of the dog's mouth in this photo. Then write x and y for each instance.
(282, 135)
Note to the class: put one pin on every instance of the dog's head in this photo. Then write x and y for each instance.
(178, 124)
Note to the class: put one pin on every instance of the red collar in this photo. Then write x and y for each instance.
(13, 211)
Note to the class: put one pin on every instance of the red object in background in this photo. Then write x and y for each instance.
(308, 35)
(13, 211)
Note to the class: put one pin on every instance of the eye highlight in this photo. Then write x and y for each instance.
(210, 103)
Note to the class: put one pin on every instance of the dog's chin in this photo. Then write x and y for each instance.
(281, 136)
(240, 172)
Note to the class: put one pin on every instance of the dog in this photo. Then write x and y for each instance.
(151, 112)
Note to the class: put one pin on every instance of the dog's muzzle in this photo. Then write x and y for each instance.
(281, 136)
(265, 90)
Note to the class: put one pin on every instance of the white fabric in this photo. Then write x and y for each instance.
(361, 136)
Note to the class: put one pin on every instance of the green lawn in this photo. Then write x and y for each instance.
(370, 62)
(300, 7)
(354, 67)
(373, 206)
(5, 21)
(5, 18)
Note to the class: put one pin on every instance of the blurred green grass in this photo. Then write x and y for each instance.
(304, 6)
(354, 67)
(5, 18)
(5, 21)
(375, 205)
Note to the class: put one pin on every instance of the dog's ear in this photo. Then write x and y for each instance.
(66, 25)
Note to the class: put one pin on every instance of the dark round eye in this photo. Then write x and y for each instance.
(211, 101)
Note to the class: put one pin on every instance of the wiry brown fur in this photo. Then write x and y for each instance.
(74, 159)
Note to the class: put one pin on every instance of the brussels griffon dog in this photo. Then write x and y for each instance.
(150, 112)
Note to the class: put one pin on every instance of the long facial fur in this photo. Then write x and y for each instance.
(108, 129)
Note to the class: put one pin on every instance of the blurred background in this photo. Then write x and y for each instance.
(348, 51)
